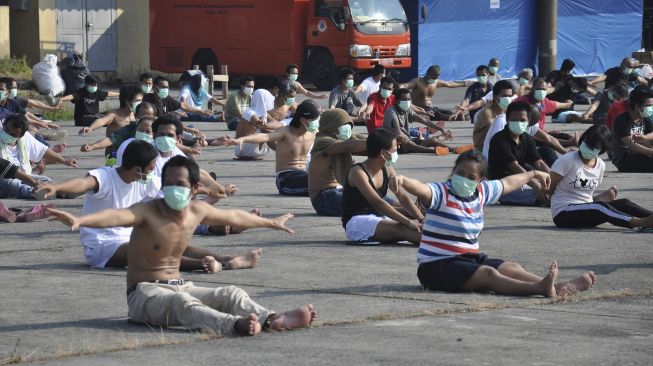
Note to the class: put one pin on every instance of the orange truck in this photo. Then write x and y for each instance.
(261, 37)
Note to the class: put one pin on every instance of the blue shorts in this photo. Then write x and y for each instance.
(451, 274)
(328, 202)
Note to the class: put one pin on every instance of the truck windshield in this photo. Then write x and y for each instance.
(373, 11)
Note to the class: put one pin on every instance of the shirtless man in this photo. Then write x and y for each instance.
(330, 161)
(293, 143)
(422, 91)
(162, 229)
(130, 97)
(293, 73)
(284, 103)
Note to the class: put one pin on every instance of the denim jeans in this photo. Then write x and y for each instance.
(14, 188)
(196, 117)
(328, 202)
(524, 196)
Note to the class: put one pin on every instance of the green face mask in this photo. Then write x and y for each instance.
(431, 81)
(176, 197)
(146, 178)
(13, 93)
(588, 153)
(91, 89)
(134, 105)
(165, 144)
(313, 125)
(393, 159)
(349, 83)
(344, 132)
(143, 136)
(494, 69)
(146, 88)
(539, 94)
(517, 127)
(7, 139)
(385, 93)
(504, 102)
(290, 101)
(3, 95)
(523, 81)
(628, 71)
(293, 77)
(463, 187)
(646, 112)
(163, 93)
(482, 79)
(404, 105)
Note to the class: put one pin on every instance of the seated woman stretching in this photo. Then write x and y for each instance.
(448, 256)
(574, 178)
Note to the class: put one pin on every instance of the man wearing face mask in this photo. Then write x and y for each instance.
(377, 103)
(625, 73)
(512, 151)
(194, 95)
(603, 100)
(21, 148)
(476, 91)
(146, 82)
(331, 158)
(343, 95)
(493, 69)
(140, 130)
(130, 97)
(502, 97)
(632, 150)
(292, 71)
(164, 103)
(293, 144)
(87, 101)
(284, 104)
(238, 102)
(398, 119)
(423, 89)
(366, 216)
(564, 92)
(370, 85)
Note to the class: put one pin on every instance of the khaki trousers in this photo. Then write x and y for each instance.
(212, 309)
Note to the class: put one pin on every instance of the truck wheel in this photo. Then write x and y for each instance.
(322, 71)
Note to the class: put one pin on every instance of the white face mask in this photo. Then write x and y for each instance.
(248, 90)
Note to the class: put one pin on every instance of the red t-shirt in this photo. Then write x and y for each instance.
(547, 106)
(615, 110)
(380, 105)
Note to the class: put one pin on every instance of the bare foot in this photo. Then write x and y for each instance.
(39, 169)
(59, 148)
(6, 215)
(249, 260)
(211, 265)
(582, 283)
(301, 317)
(548, 282)
(248, 326)
(238, 229)
(35, 213)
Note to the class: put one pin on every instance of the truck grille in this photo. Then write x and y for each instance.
(384, 52)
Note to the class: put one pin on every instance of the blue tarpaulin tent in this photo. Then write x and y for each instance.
(460, 35)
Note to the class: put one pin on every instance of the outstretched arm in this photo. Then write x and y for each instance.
(73, 186)
(515, 181)
(126, 217)
(100, 144)
(412, 186)
(216, 216)
(100, 122)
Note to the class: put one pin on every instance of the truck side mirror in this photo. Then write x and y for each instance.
(345, 12)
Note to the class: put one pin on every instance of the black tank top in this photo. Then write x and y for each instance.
(353, 201)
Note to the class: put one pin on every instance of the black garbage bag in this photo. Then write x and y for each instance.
(73, 71)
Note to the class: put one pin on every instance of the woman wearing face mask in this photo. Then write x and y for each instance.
(575, 177)
(449, 257)
(194, 95)
(632, 150)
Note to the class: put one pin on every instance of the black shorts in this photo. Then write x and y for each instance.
(451, 274)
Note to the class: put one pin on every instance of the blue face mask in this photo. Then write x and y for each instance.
(3, 94)
(385, 93)
(313, 125)
(290, 101)
(344, 132)
(349, 83)
(539, 94)
(165, 144)
(13, 93)
(393, 159)
(504, 102)
(588, 153)
(7, 139)
(463, 187)
(292, 77)
(482, 79)
(163, 93)
(143, 136)
(176, 197)
(517, 127)
(404, 105)
(494, 69)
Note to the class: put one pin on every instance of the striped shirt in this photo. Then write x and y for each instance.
(453, 223)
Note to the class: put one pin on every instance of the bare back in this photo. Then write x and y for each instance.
(292, 149)
(279, 113)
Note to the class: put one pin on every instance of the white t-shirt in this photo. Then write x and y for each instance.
(262, 102)
(113, 193)
(497, 126)
(185, 95)
(368, 87)
(34, 148)
(578, 183)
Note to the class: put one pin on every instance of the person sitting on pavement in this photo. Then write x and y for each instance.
(255, 119)
(513, 151)
(366, 214)
(156, 293)
(423, 88)
(625, 73)
(574, 179)
(284, 105)
(146, 83)
(194, 95)
(344, 97)
(369, 86)
(292, 145)
(130, 97)
(476, 91)
(8, 170)
(377, 103)
(144, 115)
(632, 151)
(87, 101)
(618, 107)
(20, 148)
(398, 119)
(602, 103)
(449, 258)
(331, 158)
(292, 71)
(566, 91)
(502, 97)
(238, 102)
(493, 70)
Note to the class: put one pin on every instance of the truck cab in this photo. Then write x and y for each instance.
(357, 34)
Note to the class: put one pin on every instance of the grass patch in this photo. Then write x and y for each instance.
(62, 115)
(15, 67)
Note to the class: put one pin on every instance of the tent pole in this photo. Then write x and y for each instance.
(547, 19)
